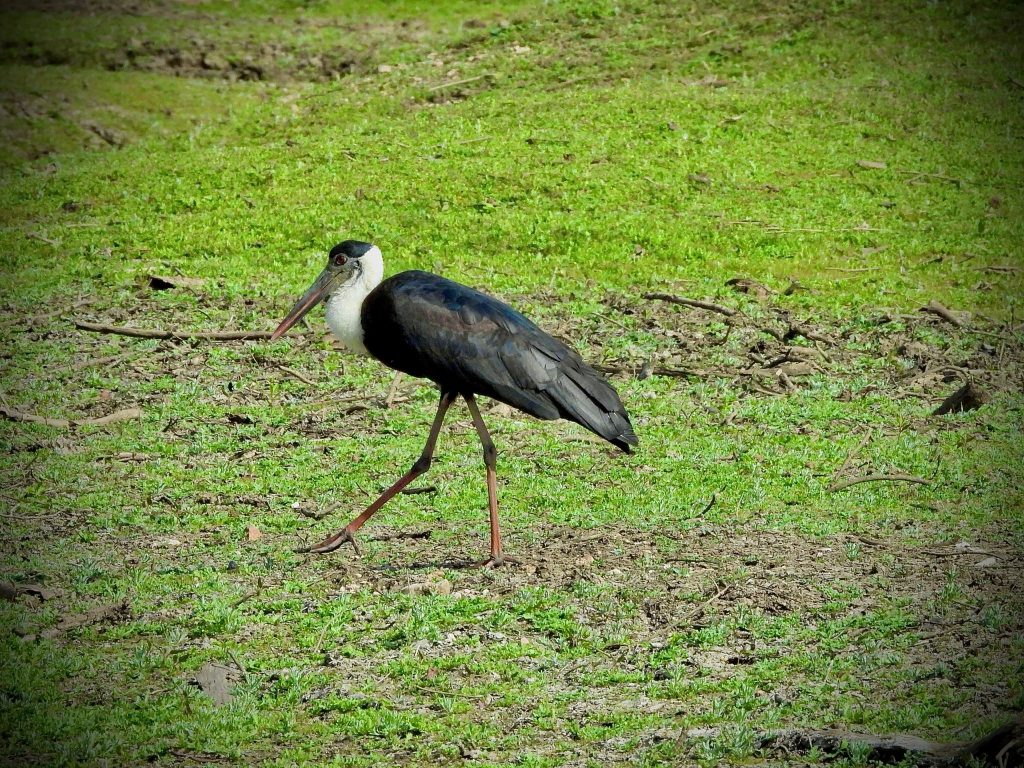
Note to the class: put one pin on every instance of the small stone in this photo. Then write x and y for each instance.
(432, 587)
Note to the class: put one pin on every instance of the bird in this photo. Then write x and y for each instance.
(468, 343)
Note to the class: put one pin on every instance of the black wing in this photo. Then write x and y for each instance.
(469, 342)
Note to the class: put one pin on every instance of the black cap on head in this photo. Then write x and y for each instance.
(350, 249)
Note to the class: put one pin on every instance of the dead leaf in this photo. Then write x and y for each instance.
(216, 681)
(252, 533)
(877, 165)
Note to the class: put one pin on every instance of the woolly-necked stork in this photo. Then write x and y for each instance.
(467, 343)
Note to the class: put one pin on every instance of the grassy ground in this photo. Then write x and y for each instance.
(856, 160)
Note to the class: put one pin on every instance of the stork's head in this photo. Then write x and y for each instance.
(346, 265)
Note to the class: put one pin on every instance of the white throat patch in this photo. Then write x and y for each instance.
(346, 303)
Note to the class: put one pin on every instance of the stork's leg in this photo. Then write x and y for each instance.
(347, 534)
(490, 461)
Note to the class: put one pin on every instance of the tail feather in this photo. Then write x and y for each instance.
(582, 395)
(549, 380)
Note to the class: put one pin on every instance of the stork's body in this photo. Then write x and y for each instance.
(469, 344)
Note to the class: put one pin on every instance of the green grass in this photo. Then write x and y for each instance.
(569, 157)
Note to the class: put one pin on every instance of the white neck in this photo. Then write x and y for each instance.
(346, 303)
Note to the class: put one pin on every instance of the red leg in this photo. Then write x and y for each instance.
(490, 461)
(347, 534)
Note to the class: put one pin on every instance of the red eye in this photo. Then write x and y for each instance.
(339, 260)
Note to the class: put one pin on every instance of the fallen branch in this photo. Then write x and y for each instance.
(294, 374)
(177, 335)
(842, 485)
(125, 414)
(1002, 747)
(940, 309)
(692, 303)
(660, 371)
(850, 457)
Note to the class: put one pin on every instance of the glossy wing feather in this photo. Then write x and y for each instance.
(464, 340)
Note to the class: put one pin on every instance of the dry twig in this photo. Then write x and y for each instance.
(125, 414)
(692, 303)
(453, 83)
(174, 334)
(940, 309)
(875, 479)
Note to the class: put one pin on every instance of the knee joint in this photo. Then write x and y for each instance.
(422, 464)
(490, 454)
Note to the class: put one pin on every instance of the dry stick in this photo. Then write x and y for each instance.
(920, 174)
(62, 310)
(240, 665)
(937, 308)
(389, 399)
(451, 693)
(292, 372)
(147, 333)
(699, 611)
(786, 382)
(728, 312)
(692, 303)
(320, 640)
(957, 553)
(850, 456)
(876, 478)
(661, 371)
(710, 504)
(89, 362)
(122, 415)
(458, 82)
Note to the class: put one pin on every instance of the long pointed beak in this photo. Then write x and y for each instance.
(316, 293)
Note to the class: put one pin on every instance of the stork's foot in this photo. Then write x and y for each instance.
(332, 543)
(496, 561)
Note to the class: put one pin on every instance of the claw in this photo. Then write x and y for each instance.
(498, 561)
(332, 543)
